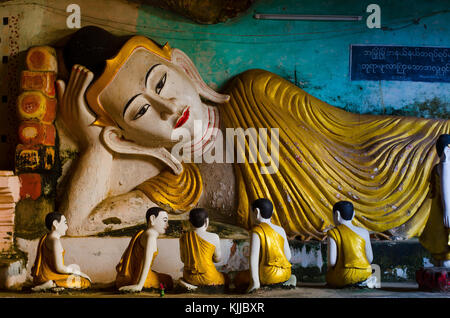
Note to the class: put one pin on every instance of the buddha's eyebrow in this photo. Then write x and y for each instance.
(129, 103)
(149, 71)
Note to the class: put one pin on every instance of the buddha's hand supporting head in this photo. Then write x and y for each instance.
(73, 109)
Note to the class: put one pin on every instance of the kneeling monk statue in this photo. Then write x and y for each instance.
(349, 250)
(49, 270)
(134, 269)
(436, 236)
(199, 250)
(269, 252)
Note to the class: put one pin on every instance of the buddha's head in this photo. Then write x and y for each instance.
(56, 222)
(146, 96)
(343, 211)
(157, 219)
(443, 147)
(199, 218)
(262, 209)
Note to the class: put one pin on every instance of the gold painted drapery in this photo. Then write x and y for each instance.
(176, 193)
(382, 164)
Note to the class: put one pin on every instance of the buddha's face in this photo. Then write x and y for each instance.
(150, 98)
(446, 153)
(61, 226)
(256, 217)
(161, 222)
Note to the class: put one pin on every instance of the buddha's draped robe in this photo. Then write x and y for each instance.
(130, 266)
(435, 236)
(352, 266)
(274, 267)
(44, 269)
(175, 193)
(197, 254)
(380, 163)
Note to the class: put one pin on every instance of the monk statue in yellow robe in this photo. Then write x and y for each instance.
(49, 271)
(349, 251)
(269, 253)
(199, 250)
(435, 236)
(134, 269)
(127, 101)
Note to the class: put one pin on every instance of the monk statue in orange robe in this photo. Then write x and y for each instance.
(349, 250)
(199, 250)
(134, 269)
(269, 252)
(49, 271)
(436, 236)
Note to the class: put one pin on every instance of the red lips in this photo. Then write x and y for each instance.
(183, 118)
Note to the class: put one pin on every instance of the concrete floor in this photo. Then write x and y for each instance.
(303, 290)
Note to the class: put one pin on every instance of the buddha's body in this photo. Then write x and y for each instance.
(269, 252)
(49, 270)
(352, 266)
(131, 264)
(197, 255)
(321, 148)
(199, 250)
(436, 236)
(45, 270)
(134, 271)
(273, 266)
(349, 250)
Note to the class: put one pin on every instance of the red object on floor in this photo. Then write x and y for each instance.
(433, 279)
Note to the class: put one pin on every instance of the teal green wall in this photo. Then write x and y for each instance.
(315, 55)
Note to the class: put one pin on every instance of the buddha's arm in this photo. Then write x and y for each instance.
(89, 183)
(369, 252)
(332, 252)
(58, 259)
(150, 248)
(148, 257)
(287, 250)
(217, 257)
(445, 188)
(88, 187)
(255, 247)
(182, 246)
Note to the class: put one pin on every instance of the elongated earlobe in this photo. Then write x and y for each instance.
(152, 219)
(182, 60)
(112, 137)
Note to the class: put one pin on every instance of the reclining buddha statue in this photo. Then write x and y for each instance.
(127, 98)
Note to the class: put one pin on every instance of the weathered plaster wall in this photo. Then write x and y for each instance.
(315, 55)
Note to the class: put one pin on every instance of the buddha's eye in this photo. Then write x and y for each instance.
(160, 84)
(141, 111)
